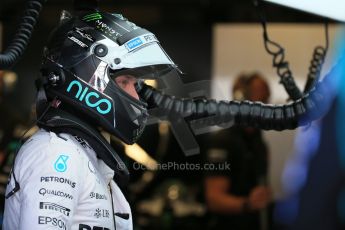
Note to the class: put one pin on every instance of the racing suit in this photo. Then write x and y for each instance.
(63, 186)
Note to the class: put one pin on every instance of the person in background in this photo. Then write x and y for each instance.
(237, 198)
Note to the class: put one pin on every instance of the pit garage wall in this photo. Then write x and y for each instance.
(239, 48)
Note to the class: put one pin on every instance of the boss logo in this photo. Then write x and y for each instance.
(91, 98)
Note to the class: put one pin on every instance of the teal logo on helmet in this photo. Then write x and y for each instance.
(92, 17)
(91, 99)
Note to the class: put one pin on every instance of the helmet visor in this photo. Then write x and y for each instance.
(135, 53)
(147, 72)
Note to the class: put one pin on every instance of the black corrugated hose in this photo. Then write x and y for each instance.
(300, 112)
(21, 39)
(278, 54)
(316, 62)
(282, 66)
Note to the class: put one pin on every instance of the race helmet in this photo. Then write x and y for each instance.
(84, 56)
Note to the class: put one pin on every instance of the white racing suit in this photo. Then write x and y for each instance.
(63, 186)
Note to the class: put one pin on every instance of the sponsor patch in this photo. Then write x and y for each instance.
(101, 213)
(44, 192)
(52, 221)
(88, 227)
(56, 179)
(77, 41)
(92, 17)
(60, 164)
(55, 207)
(140, 41)
(132, 44)
(98, 196)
